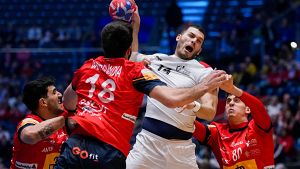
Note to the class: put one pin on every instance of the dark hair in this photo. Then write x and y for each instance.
(116, 38)
(185, 27)
(34, 90)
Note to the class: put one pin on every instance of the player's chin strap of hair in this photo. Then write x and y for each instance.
(197, 106)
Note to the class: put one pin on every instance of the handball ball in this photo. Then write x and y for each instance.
(122, 9)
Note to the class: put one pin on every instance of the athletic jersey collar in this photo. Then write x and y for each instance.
(239, 127)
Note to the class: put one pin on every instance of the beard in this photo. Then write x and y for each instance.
(186, 57)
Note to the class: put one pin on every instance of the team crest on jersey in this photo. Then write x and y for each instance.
(149, 75)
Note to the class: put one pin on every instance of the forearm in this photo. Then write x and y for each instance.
(177, 97)
(208, 107)
(258, 111)
(135, 41)
(40, 131)
(180, 97)
(236, 91)
(70, 98)
(206, 112)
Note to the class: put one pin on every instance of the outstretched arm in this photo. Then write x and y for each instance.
(136, 21)
(172, 97)
(258, 111)
(135, 35)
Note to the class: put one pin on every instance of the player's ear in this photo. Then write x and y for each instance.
(178, 37)
(248, 111)
(42, 102)
(128, 53)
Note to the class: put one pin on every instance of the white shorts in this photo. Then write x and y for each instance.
(153, 152)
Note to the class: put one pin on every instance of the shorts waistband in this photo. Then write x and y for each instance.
(165, 130)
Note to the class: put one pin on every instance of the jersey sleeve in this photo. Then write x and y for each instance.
(258, 111)
(144, 80)
(205, 64)
(25, 123)
(202, 132)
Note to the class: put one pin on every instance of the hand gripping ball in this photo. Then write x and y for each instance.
(122, 9)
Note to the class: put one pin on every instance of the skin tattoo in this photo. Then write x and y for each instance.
(46, 131)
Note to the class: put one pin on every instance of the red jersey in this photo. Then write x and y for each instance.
(41, 155)
(109, 98)
(247, 145)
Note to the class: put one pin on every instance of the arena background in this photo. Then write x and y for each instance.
(255, 40)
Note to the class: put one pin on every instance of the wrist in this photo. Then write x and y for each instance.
(197, 106)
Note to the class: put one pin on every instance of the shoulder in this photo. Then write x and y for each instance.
(157, 56)
(204, 64)
(30, 119)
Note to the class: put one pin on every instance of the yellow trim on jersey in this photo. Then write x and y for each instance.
(147, 75)
(26, 121)
(248, 164)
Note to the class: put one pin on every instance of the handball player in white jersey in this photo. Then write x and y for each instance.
(165, 140)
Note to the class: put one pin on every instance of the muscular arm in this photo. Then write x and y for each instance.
(70, 98)
(135, 35)
(35, 133)
(208, 108)
(181, 96)
(258, 111)
(135, 31)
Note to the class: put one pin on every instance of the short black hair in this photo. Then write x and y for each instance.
(200, 28)
(36, 89)
(116, 38)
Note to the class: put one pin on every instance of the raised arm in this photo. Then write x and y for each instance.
(135, 35)
(208, 104)
(135, 30)
(258, 111)
(70, 98)
(32, 133)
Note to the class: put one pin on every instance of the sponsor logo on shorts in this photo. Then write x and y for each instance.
(84, 154)
(26, 165)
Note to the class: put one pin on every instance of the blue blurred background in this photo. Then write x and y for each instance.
(255, 40)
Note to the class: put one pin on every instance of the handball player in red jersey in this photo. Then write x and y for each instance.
(107, 92)
(240, 143)
(39, 135)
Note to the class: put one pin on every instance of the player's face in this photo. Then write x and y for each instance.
(54, 100)
(236, 109)
(189, 43)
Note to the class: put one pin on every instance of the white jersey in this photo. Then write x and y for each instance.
(176, 73)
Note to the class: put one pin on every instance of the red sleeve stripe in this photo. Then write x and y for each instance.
(204, 64)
